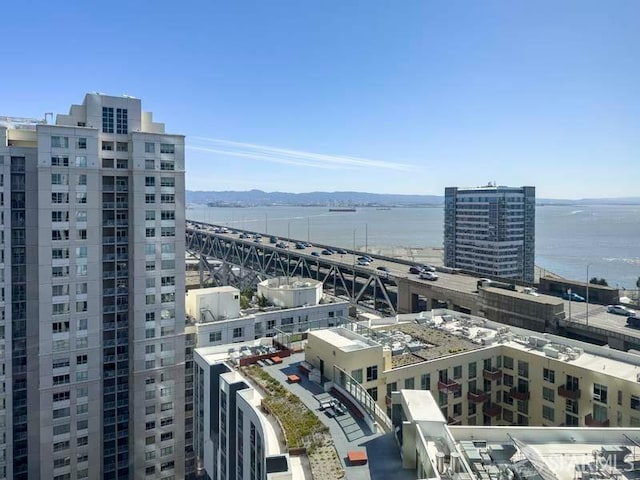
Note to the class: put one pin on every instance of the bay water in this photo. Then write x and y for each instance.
(569, 239)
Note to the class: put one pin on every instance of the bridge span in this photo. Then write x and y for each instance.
(243, 258)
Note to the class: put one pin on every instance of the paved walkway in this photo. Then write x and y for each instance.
(348, 432)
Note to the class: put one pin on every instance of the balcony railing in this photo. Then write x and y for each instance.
(520, 394)
(589, 421)
(492, 374)
(448, 386)
(492, 409)
(477, 397)
(568, 392)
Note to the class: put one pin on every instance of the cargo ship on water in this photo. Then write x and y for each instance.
(342, 209)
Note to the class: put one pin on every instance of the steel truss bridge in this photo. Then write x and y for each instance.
(226, 259)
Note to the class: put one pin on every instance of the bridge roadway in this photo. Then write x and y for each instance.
(389, 292)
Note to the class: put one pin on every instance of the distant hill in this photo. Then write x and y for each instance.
(259, 197)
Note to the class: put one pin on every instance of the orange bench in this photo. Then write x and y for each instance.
(293, 379)
(276, 360)
(357, 457)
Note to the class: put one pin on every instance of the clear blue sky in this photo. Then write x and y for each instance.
(378, 96)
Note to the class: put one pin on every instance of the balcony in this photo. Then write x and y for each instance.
(568, 392)
(589, 421)
(492, 374)
(477, 397)
(492, 409)
(448, 386)
(519, 394)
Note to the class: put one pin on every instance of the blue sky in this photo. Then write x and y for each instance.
(376, 96)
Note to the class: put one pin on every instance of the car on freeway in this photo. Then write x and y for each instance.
(315, 254)
(281, 245)
(327, 252)
(341, 251)
(574, 297)
(620, 310)
(428, 276)
(300, 245)
(633, 321)
(415, 270)
(363, 263)
(428, 268)
(382, 268)
(273, 239)
(244, 235)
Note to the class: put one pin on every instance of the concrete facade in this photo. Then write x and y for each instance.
(97, 328)
(490, 230)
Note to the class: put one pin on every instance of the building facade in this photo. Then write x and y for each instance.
(491, 231)
(482, 373)
(94, 215)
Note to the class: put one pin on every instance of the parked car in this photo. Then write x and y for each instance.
(574, 297)
(428, 276)
(620, 310)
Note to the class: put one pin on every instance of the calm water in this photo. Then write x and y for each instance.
(568, 238)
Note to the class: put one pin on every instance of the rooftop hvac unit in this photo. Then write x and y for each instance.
(551, 352)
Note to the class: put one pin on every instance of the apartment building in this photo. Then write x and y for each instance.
(93, 211)
(233, 438)
(216, 317)
(490, 230)
(434, 449)
(483, 373)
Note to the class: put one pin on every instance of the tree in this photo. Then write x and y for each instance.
(599, 281)
(262, 301)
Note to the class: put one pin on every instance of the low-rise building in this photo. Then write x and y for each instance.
(483, 373)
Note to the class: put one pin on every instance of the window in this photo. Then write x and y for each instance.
(457, 372)
(149, 147)
(150, 299)
(107, 119)
(81, 306)
(215, 337)
(59, 290)
(59, 272)
(167, 166)
(81, 359)
(149, 181)
(82, 179)
(167, 182)
(167, 148)
(150, 266)
(81, 234)
(149, 164)
(61, 396)
(166, 436)
(81, 270)
(166, 421)
(168, 298)
(168, 231)
(59, 235)
(81, 143)
(167, 198)
(171, 265)
(122, 121)
(61, 412)
(81, 197)
(549, 375)
(59, 197)
(600, 393)
(523, 369)
(60, 379)
(59, 142)
(58, 446)
(58, 161)
(150, 215)
(167, 215)
(168, 248)
(59, 179)
(508, 362)
(107, 162)
(373, 392)
(150, 425)
(150, 232)
(60, 362)
(81, 288)
(635, 402)
(168, 281)
(149, 198)
(81, 161)
(122, 163)
(59, 253)
(472, 370)
(107, 147)
(59, 327)
(425, 381)
(238, 332)
(548, 394)
(122, 147)
(59, 309)
(409, 383)
(372, 373)
(59, 216)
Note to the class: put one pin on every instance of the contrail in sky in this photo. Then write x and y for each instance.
(290, 157)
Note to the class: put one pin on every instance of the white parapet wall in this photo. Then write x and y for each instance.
(291, 292)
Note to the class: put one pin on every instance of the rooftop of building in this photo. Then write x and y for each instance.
(416, 338)
(290, 283)
(536, 453)
(345, 340)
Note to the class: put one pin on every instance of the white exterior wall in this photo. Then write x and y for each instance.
(291, 292)
(207, 304)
